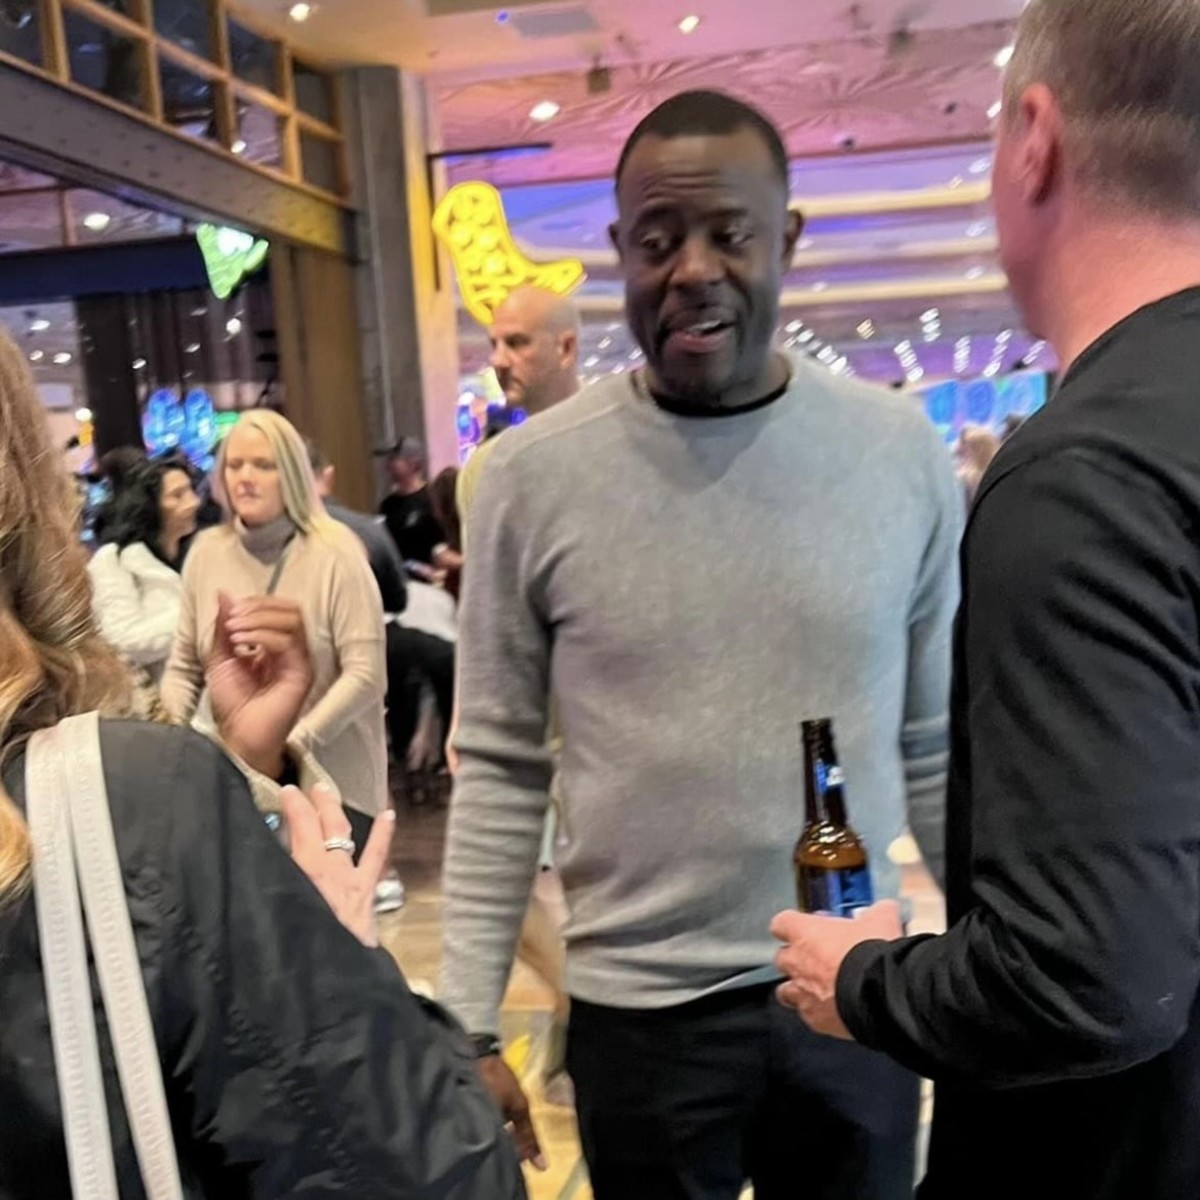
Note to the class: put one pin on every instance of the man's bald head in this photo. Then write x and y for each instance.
(535, 348)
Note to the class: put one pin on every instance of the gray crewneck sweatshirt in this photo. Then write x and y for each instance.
(687, 590)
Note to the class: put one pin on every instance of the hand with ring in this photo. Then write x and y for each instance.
(320, 842)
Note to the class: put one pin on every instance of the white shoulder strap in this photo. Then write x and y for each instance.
(65, 970)
(69, 759)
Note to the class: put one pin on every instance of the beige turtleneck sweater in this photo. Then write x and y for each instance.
(326, 573)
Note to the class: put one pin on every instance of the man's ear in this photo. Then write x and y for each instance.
(791, 236)
(614, 236)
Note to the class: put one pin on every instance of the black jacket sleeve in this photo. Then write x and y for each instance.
(388, 569)
(1079, 746)
(299, 1061)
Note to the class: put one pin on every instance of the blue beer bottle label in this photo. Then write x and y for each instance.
(843, 892)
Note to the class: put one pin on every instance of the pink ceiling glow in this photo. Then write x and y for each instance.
(938, 88)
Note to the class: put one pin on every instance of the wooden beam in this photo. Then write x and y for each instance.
(55, 58)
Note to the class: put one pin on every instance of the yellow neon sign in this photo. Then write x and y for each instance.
(470, 220)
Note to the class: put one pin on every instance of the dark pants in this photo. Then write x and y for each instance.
(414, 657)
(691, 1102)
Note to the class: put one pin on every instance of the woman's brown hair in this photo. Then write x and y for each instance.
(53, 662)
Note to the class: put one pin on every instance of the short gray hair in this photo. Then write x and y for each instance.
(1127, 75)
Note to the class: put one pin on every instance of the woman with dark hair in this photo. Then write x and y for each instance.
(137, 590)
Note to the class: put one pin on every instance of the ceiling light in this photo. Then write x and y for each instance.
(820, 286)
(83, 415)
(233, 326)
(634, 355)
(903, 347)
(977, 229)
(37, 356)
(605, 343)
(995, 110)
(192, 348)
(238, 147)
(1035, 352)
(976, 273)
(932, 333)
(930, 316)
(40, 325)
(805, 243)
(301, 12)
(593, 361)
(689, 24)
(957, 181)
(795, 326)
(805, 335)
(916, 375)
(97, 222)
(866, 330)
(545, 110)
(139, 364)
(61, 360)
(1004, 57)
(981, 166)
(992, 369)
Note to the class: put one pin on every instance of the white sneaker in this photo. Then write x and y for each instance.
(389, 895)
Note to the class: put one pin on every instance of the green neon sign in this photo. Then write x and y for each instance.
(229, 256)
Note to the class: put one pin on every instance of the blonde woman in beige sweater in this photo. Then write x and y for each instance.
(280, 541)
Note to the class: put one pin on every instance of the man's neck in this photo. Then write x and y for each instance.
(1106, 274)
(554, 394)
(411, 488)
(770, 380)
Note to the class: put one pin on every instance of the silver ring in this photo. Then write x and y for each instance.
(340, 844)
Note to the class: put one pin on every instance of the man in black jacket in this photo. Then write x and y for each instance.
(412, 654)
(1060, 1014)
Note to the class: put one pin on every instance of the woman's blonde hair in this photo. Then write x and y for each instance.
(53, 661)
(296, 483)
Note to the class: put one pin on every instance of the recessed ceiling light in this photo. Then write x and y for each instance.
(929, 316)
(605, 343)
(97, 222)
(805, 335)
(192, 348)
(592, 361)
(995, 110)
(795, 326)
(976, 273)
(61, 360)
(689, 24)
(866, 330)
(820, 286)
(37, 356)
(805, 243)
(301, 12)
(233, 326)
(981, 166)
(1004, 57)
(545, 110)
(238, 147)
(977, 229)
(139, 364)
(40, 325)
(957, 181)
(83, 415)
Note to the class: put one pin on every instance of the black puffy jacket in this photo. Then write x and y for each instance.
(297, 1062)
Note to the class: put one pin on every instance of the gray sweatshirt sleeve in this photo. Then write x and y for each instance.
(502, 784)
(925, 738)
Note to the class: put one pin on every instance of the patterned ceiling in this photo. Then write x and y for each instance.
(827, 97)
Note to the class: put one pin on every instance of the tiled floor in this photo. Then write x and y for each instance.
(414, 937)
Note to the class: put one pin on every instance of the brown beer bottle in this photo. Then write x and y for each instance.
(832, 875)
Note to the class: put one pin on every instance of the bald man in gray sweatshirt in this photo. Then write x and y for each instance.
(689, 561)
